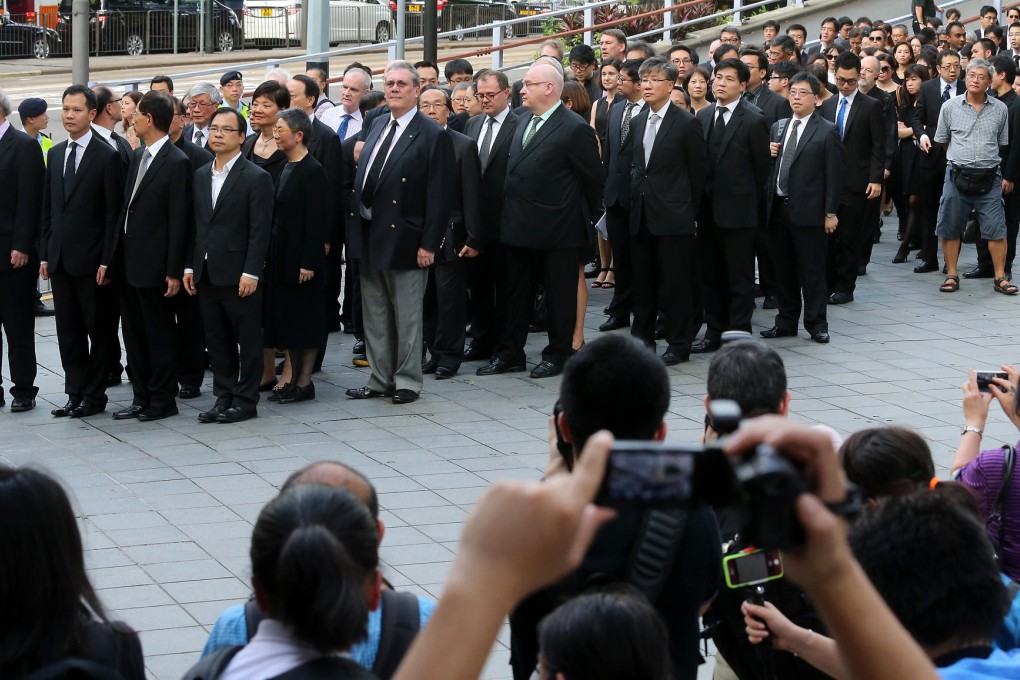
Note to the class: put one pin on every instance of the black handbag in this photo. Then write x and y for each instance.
(972, 232)
(973, 181)
(999, 508)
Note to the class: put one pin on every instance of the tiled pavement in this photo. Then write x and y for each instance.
(167, 508)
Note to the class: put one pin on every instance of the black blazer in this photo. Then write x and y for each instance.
(926, 118)
(493, 172)
(617, 158)
(300, 233)
(352, 220)
(774, 106)
(465, 218)
(22, 169)
(1010, 153)
(75, 227)
(736, 180)
(666, 194)
(864, 139)
(189, 131)
(235, 233)
(198, 155)
(157, 220)
(411, 205)
(888, 102)
(457, 121)
(816, 172)
(324, 145)
(553, 189)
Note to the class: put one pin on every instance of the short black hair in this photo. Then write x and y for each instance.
(763, 60)
(179, 109)
(425, 63)
(887, 461)
(946, 53)
(844, 21)
(725, 48)
(785, 43)
(436, 88)
(582, 53)
(1005, 67)
(997, 31)
(988, 45)
(104, 97)
(162, 79)
(370, 100)
(642, 46)
(239, 119)
(750, 373)
(848, 61)
(786, 69)
(743, 73)
(456, 67)
(809, 78)
(91, 100)
(985, 9)
(159, 106)
(796, 27)
(829, 20)
(311, 87)
(502, 82)
(771, 23)
(955, 24)
(631, 68)
(274, 92)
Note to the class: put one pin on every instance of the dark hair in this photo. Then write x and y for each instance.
(946, 53)
(162, 79)
(605, 636)
(771, 23)
(642, 46)
(784, 42)
(720, 52)
(631, 68)
(311, 474)
(844, 21)
(887, 461)
(311, 87)
(921, 72)
(954, 24)
(829, 20)
(274, 92)
(617, 35)
(179, 109)
(730, 28)
(929, 557)
(985, 9)
(614, 364)
(104, 96)
(849, 61)
(370, 100)
(763, 61)
(988, 45)
(582, 53)
(502, 82)
(998, 32)
(160, 107)
(425, 63)
(810, 79)
(312, 550)
(446, 94)
(796, 27)
(1004, 66)
(819, 69)
(580, 102)
(91, 100)
(659, 65)
(864, 20)
(239, 120)
(698, 71)
(611, 63)
(750, 373)
(855, 33)
(786, 69)
(743, 73)
(927, 36)
(43, 584)
(297, 120)
(457, 66)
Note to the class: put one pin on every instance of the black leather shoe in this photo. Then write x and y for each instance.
(65, 410)
(705, 345)
(404, 396)
(21, 404)
(926, 267)
(498, 366)
(364, 393)
(43, 310)
(236, 414)
(189, 392)
(475, 352)
(770, 302)
(86, 409)
(430, 366)
(268, 385)
(546, 369)
(112, 379)
(979, 273)
(615, 322)
(660, 331)
(277, 393)
(775, 332)
(840, 298)
(128, 413)
(296, 394)
(157, 413)
(359, 348)
(445, 372)
(671, 358)
(212, 414)
(821, 337)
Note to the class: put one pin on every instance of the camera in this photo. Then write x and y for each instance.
(985, 379)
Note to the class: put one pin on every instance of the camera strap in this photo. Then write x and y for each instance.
(653, 555)
(999, 509)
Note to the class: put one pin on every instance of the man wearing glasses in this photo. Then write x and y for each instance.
(683, 58)
(1013, 35)
(758, 92)
(582, 64)
(205, 99)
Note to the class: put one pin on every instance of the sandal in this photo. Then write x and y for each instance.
(609, 284)
(951, 285)
(1002, 285)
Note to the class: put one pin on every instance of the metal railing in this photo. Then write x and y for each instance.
(22, 37)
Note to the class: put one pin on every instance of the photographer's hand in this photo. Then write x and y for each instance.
(1006, 393)
(818, 650)
(975, 414)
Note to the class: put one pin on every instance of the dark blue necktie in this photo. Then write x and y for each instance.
(945, 94)
(342, 130)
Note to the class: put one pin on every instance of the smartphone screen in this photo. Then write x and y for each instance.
(984, 379)
(744, 569)
(645, 474)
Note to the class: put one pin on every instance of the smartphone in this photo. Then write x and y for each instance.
(749, 568)
(647, 474)
(984, 379)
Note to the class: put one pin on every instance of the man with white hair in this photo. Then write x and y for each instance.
(551, 199)
(280, 75)
(205, 99)
(345, 119)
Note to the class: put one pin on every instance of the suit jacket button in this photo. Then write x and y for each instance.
(403, 179)
(393, 226)
(394, 202)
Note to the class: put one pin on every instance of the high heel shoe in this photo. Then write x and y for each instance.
(278, 392)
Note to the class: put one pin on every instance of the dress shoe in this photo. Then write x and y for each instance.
(43, 310)
(86, 409)
(65, 410)
(189, 392)
(22, 404)
(821, 337)
(157, 413)
(546, 369)
(278, 392)
(404, 396)
(365, 393)
(359, 348)
(498, 366)
(979, 273)
(770, 302)
(360, 362)
(296, 394)
(430, 366)
(268, 385)
(615, 322)
(705, 345)
(131, 411)
(212, 414)
(112, 379)
(475, 352)
(671, 358)
(839, 298)
(776, 332)
(445, 372)
(236, 414)
(660, 331)
(926, 267)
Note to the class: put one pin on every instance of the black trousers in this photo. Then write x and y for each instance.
(845, 248)
(728, 255)
(618, 226)
(487, 291)
(446, 312)
(334, 284)
(352, 315)
(1011, 203)
(557, 270)
(86, 333)
(190, 335)
(799, 255)
(666, 276)
(233, 334)
(932, 180)
(872, 217)
(17, 317)
(150, 338)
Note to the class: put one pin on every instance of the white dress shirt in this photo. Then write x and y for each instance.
(272, 651)
(218, 179)
(499, 119)
(402, 124)
(205, 135)
(333, 117)
(4, 128)
(786, 138)
(82, 143)
(106, 133)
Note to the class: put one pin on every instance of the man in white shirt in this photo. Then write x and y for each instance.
(346, 119)
(205, 99)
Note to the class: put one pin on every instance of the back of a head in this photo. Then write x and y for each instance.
(43, 584)
(929, 557)
(887, 461)
(594, 379)
(750, 373)
(605, 636)
(312, 550)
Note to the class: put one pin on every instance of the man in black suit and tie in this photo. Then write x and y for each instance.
(757, 92)
(403, 195)
(737, 142)
(21, 166)
(108, 114)
(81, 202)
(551, 200)
(803, 195)
(861, 124)
(493, 133)
(205, 101)
(933, 94)
(667, 185)
(226, 255)
(147, 251)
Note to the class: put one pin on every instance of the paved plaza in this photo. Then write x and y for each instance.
(167, 508)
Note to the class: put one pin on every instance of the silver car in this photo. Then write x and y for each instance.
(271, 23)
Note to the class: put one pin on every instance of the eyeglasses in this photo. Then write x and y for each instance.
(797, 94)
(950, 67)
(204, 105)
(852, 82)
(432, 106)
(680, 62)
(621, 79)
(654, 81)
(775, 77)
(574, 66)
(216, 130)
(885, 69)
(536, 82)
(279, 131)
(487, 96)
(399, 84)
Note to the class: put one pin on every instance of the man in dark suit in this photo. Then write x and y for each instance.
(861, 124)
(108, 114)
(667, 186)
(403, 193)
(21, 166)
(551, 199)
(933, 94)
(737, 143)
(147, 250)
(493, 133)
(616, 196)
(446, 292)
(869, 78)
(803, 196)
(226, 255)
(757, 92)
(205, 101)
(81, 202)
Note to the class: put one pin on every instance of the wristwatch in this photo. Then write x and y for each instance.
(828, 215)
(971, 428)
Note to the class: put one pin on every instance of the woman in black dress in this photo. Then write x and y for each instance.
(910, 177)
(295, 286)
(610, 79)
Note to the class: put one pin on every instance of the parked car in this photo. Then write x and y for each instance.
(460, 15)
(270, 23)
(19, 39)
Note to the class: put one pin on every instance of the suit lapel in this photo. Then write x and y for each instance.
(406, 139)
(60, 155)
(518, 140)
(546, 129)
(7, 142)
(636, 135)
(668, 118)
(736, 119)
(852, 113)
(228, 184)
(501, 139)
(366, 153)
(154, 165)
(804, 137)
(707, 129)
(88, 154)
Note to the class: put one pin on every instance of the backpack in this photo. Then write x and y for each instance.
(74, 669)
(323, 668)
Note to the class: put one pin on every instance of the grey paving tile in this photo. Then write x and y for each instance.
(192, 570)
(206, 613)
(208, 590)
(158, 617)
(174, 641)
(169, 666)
